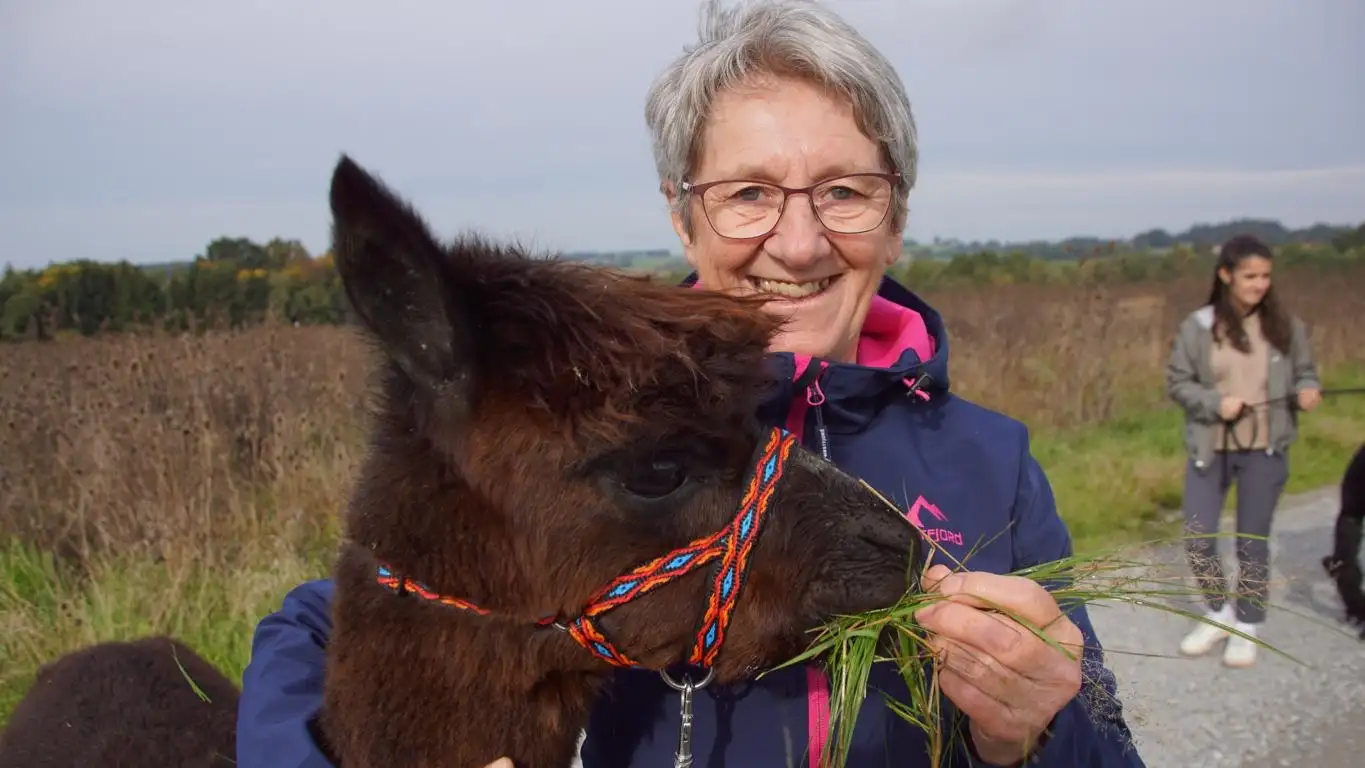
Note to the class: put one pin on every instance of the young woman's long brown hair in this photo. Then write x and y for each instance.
(1227, 320)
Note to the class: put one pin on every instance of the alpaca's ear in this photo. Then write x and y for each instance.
(391, 268)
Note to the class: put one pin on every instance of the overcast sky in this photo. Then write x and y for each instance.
(141, 130)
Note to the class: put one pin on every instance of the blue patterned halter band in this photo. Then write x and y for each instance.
(731, 548)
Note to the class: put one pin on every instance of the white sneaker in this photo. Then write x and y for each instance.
(1240, 652)
(1204, 637)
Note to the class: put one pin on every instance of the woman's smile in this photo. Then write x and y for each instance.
(792, 291)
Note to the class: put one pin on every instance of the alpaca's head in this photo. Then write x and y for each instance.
(545, 427)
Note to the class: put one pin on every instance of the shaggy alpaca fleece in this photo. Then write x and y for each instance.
(1343, 565)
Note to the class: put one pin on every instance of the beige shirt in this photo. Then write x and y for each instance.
(1244, 375)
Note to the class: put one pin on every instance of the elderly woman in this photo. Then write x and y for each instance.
(786, 150)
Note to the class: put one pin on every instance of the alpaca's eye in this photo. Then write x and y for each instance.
(655, 478)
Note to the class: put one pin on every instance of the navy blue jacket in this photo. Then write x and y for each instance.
(963, 474)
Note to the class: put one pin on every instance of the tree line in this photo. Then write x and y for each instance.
(1110, 265)
(237, 282)
(1199, 237)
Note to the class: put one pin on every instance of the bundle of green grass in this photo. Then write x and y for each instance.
(848, 646)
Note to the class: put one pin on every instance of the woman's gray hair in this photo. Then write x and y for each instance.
(782, 37)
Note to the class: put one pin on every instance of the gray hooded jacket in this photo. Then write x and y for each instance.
(1190, 383)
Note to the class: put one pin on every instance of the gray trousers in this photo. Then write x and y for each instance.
(1260, 479)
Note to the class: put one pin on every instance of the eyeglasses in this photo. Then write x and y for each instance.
(849, 205)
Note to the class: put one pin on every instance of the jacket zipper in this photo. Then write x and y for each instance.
(815, 398)
(1271, 356)
(817, 684)
(809, 384)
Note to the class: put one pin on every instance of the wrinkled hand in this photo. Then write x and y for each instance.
(1230, 407)
(1309, 399)
(1009, 682)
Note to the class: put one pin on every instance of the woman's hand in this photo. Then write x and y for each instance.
(1230, 407)
(501, 762)
(1008, 681)
(1309, 398)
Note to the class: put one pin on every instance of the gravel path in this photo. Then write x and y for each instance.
(1198, 713)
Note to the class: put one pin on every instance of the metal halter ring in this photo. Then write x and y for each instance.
(681, 687)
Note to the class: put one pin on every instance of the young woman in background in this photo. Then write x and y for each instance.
(1241, 370)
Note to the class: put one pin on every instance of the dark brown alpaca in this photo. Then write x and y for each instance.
(543, 429)
(1343, 565)
(130, 705)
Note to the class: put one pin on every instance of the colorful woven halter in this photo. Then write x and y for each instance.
(731, 546)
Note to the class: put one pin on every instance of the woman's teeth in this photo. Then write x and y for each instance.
(790, 290)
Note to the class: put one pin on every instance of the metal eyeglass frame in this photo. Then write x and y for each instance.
(700, 190)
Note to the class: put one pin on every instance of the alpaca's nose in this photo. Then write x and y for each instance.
(891, 535)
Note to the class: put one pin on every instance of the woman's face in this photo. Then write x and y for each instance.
(790, 133)
(1248, 281)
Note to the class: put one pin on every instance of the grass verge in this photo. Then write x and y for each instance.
(47, 610)
(1122, 481)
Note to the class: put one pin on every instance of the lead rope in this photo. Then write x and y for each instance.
(682, 758)
(1249, 408)
(1232, 440)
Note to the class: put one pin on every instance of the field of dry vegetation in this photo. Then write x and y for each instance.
(166, 483)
